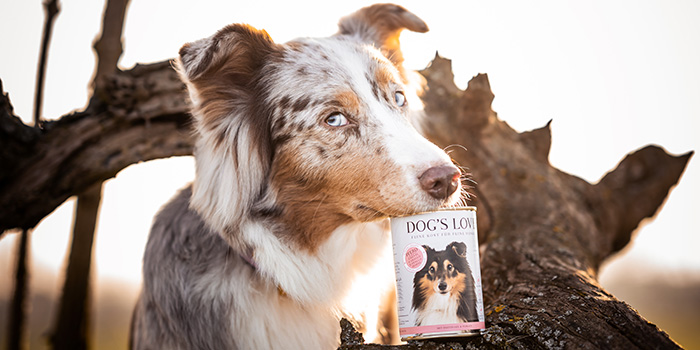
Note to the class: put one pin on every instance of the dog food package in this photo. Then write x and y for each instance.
(438, 279)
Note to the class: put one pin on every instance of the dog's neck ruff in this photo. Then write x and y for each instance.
(319, 278)
(248, 259)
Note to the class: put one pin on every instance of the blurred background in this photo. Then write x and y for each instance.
(613, 77)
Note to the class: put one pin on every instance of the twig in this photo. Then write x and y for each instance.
(52, 8)
(109, 46)
(16, 327)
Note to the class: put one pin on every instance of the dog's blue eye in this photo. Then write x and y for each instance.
(400, 98)
(336, 120)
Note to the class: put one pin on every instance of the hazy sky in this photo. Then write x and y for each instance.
(613, 77)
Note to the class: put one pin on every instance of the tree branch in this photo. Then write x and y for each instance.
(634, 191)
(21, 290)
(52, 8)
(109, 46)
(141, 114)
(544, 232)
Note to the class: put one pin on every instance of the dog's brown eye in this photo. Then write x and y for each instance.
(400, 98)
(450, 267)
(431, 270)
(336, 120)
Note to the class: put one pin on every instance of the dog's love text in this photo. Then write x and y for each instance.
(440, 224)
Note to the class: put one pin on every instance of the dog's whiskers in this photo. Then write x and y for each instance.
(454, 145)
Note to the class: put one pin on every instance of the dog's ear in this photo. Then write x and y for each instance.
(235, 50)
(429, 251)
(223, 74)
(459, 248)
(381, 25)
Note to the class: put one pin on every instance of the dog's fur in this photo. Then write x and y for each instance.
(304, 149)
(443, 291)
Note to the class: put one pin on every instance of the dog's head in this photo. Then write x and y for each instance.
(446, 272)
(313, 133)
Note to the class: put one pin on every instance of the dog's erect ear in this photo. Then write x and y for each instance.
(429, 251)
(381, 25)
(237, 49)
(459, 248)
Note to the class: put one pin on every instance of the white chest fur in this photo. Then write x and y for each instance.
(439, 309)
(346, 277)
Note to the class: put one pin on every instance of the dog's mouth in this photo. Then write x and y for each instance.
(366, 213)
(369, 213)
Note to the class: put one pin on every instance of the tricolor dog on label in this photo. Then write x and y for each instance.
(304, 150)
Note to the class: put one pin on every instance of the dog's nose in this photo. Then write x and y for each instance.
(442, 286)
(440, 181)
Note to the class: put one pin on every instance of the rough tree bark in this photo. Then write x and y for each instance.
(138, 115)
(544, 233)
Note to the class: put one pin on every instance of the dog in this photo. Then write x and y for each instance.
(303, 150)
(443, 291)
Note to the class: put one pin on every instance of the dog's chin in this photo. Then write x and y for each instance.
(365, 213)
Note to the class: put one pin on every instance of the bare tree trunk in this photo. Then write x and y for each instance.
(73, 321)
(543, 233)
(72, 325)
(16, 331)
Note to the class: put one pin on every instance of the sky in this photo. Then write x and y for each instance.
(612, 76)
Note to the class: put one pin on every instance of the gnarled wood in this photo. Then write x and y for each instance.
(138, 115)
(546, 232)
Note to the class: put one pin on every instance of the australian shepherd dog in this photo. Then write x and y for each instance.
(303, 151)
(443, 291)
